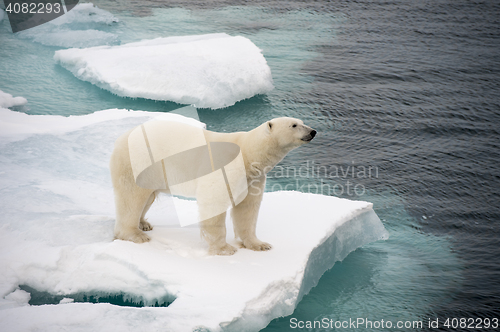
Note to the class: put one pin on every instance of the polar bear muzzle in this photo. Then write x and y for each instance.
(309, 136)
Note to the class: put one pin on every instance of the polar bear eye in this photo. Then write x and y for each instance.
(295, 125)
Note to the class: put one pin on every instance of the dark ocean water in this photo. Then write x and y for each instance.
(408, 90)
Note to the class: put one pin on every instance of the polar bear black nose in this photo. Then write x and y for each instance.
(313, 133)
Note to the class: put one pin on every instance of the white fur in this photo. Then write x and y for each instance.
(262, 148)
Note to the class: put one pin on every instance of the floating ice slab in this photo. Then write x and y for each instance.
(56, 236)
(207, 71)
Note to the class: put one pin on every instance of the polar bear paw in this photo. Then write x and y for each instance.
(257, 245)
(226, 250)
(136, 236)
(145, 226)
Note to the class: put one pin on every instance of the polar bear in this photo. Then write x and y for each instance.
(261, 148)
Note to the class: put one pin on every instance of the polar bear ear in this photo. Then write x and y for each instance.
(269, 125)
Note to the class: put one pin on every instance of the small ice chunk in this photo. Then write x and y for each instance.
(66, 300)
(7, 100)
(207, 71)
(19, 296)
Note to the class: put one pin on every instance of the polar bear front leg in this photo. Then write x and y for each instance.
(244, 217)
(213, 230)
(130, 206)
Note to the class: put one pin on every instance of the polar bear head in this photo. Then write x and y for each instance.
(289, 133)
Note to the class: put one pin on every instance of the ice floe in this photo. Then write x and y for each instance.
(56, 237)
(207, 71)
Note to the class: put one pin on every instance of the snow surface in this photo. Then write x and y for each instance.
(207, 71)
(16, 126)
(80, 27)
(56, 236)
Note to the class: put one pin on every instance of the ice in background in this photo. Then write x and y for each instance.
(208, 71)
(82, 98)
(80, 27)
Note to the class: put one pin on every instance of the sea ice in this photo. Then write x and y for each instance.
(56, 236)
(207, 71)
(80, 27)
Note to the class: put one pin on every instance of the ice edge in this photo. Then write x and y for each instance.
(354, 232)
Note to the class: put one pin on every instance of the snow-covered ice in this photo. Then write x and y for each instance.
(207, 71)
(56, 236)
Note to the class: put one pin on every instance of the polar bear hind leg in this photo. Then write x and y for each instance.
(129, 215)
